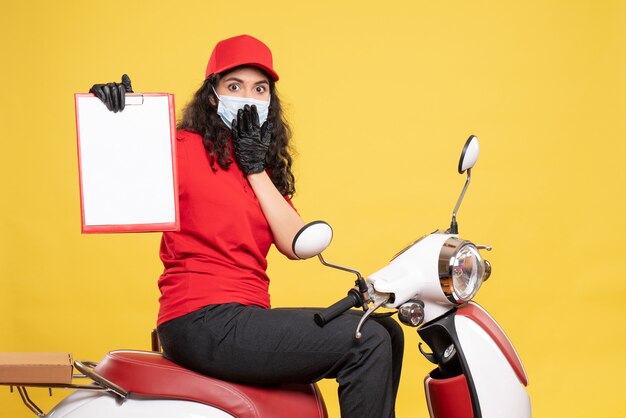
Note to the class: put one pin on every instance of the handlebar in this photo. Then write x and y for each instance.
(353, 300)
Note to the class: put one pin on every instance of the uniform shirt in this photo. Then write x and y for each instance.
(219, 254)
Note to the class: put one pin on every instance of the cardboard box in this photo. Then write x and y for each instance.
(36, 368)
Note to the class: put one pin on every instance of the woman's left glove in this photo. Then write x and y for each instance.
(251, 141)
(113, 95)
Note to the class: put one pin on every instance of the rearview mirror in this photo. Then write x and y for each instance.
(469, 156)
(468, 159)
(312, 239)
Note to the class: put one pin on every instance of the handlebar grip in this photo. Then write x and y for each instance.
(353, 300)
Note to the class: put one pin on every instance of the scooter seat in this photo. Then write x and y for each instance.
(148, 373)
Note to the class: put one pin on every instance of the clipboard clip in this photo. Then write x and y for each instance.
(133, 99)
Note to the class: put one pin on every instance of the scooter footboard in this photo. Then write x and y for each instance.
(448, 398)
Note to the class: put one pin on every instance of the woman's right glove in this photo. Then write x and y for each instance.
(250, 141)
(113, 95)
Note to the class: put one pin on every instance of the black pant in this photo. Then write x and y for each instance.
(249, 344)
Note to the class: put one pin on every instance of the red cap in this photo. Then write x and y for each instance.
(240, 50)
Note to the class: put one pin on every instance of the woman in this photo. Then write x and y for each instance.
(235, 184)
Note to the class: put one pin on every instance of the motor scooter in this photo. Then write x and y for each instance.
(429, 285)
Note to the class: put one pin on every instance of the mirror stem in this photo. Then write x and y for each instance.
(454, 227)
(338, 267)
(359, 282)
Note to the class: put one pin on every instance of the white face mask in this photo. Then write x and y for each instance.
(229, 105)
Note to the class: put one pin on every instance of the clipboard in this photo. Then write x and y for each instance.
(127, 164)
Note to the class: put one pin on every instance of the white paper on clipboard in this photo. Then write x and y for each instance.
(127, 164)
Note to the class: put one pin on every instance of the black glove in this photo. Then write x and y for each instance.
(250, 141)
(113, 94)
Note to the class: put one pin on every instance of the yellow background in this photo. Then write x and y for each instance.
(381, 96)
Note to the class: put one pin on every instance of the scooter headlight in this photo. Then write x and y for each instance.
(461, 270)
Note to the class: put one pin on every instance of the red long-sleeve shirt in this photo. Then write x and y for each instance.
(219, 254)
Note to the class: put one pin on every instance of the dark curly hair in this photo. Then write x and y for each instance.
(200, 116)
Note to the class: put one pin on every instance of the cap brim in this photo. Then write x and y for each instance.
(269, 71)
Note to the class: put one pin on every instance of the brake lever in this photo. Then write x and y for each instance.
(372, 308)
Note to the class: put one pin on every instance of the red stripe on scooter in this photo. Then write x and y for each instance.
(477, 314)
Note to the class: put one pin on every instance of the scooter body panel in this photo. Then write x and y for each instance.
(84, 404)
(500, 390)
(476, 313)
(479, 374)
(414, 273)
